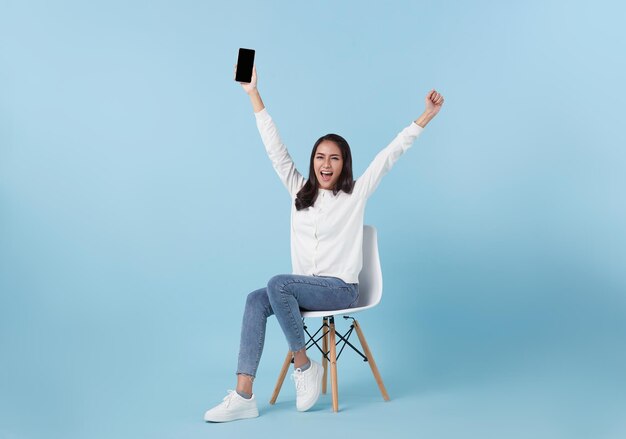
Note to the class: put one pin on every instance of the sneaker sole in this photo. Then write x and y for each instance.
(243, 415)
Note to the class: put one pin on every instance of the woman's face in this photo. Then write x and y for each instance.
(328, 164)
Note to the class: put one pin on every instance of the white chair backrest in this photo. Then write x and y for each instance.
(371, 277)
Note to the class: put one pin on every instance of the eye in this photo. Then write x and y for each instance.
(335, 158)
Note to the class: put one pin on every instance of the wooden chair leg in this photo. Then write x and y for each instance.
(324, 360)
(333, 365)
(281, 377)
(370, 360)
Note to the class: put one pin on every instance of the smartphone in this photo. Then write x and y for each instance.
(245, 61)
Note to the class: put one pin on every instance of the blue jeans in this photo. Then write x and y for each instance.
(284, 296)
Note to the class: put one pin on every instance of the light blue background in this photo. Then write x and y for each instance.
(138, 208)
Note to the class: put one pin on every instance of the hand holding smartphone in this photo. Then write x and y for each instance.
(245, 63)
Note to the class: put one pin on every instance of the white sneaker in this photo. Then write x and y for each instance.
(233, 407)
(308, 386)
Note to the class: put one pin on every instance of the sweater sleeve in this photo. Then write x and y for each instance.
(278, 154)
(385, 159)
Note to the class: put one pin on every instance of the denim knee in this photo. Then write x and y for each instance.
(254, 297)
(275, 284)
(257, 301)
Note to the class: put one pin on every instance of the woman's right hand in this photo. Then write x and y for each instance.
(248, 87)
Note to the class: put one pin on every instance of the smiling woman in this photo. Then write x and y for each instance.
(326, 250)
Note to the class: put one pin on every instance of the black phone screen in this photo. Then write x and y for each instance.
(244, 65)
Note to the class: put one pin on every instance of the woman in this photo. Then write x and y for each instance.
(326, 251)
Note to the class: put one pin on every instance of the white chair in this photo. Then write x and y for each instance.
(370, 293)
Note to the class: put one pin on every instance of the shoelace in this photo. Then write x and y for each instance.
(228, 398)
(298, 378)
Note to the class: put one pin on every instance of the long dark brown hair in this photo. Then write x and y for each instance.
(308, 194)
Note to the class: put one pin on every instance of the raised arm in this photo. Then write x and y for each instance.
(252, 91)
(385, 159)
(276, 149)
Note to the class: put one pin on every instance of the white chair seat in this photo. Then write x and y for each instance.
(336, 312)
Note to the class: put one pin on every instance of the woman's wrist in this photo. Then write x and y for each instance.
(426, 117)
(255, 99)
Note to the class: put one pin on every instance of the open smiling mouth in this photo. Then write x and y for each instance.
(326, 176)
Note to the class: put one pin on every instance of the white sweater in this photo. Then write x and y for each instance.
(327, 238)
